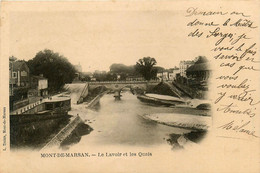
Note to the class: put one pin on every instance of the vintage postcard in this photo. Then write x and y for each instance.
(130, 86)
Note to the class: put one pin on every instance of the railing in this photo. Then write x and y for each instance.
(122, 82)
(20, 104)
(26, 108)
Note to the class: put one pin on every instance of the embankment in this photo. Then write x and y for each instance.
(191, 122)
(77, 91)
(32, 130)
(66, 132)
(74, 129)
(95, 100)
(191, 92)
(166, 88)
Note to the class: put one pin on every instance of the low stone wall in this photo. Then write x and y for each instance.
(83, 94)
(31, 108)
(190, 91)
(19, 104)
(35, 109)
(33, 130)
(16, 120)
(64, 133)
(94, 101)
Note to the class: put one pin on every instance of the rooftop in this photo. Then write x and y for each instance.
(18, 64)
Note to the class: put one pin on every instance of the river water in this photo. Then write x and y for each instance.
(118, 122)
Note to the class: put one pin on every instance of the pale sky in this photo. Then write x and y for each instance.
(97, 39)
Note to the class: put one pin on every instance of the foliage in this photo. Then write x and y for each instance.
(122, 69)
(55, 67)
(145, 67)
(85, 77)
(20, 93)
(201, 59)
(105, 76)
(158, 68)
(12, 58)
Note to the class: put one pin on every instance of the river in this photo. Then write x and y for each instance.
(118, 122)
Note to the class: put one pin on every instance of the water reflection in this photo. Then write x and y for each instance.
(119, 122)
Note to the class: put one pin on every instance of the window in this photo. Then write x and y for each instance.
(14, 75)
(23, 73)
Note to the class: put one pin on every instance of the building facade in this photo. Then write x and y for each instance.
(159, 75)
(165, 75)
(199, 73)
(78, 68)
(200, 70)
(173, 72)
(184, 65)
(19, 77)
(19, 74)
(19, 83)
(39, 86)
(168, 75)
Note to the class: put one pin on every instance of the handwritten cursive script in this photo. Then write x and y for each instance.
(234, 53)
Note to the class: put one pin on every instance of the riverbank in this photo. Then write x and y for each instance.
(75, 127)
(109, 117)
(169, 94)
(72, 131)
(160, 99)
(199, 125)
(192, 122)
(36, 132)
(185, 141)
(95, 100)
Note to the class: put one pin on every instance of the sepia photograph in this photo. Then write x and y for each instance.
(104, 79)
(127, 86)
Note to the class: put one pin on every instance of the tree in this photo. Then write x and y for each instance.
(121, 68)
(85, 78)
(145, 67)
(55, 67)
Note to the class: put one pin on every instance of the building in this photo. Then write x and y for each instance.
(78, 68)
(39, 86)
(176, 73)
(199, 73)
(19, 83)
(78, 73)
(165, 75)
(184, 65)
(19, 74)
(159, 75)
(168, 75)
(173, 73)
(171, 76)
(92, 78)
(19, 78)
